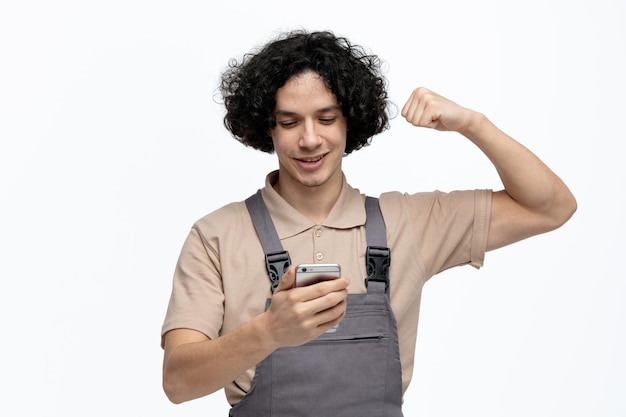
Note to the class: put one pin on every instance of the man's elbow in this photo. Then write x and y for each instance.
(171, 392)
(176, 387)
(179, 388)
(563, 210)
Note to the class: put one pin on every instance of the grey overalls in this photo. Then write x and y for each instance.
(354, 371)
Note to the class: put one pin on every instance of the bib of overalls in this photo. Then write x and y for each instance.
(352, 370)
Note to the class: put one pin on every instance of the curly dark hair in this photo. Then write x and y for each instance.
(249, 87)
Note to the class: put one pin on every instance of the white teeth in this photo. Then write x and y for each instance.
(312, 160)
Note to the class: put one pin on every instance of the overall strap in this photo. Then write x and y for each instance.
(378, 255)
(277, 260)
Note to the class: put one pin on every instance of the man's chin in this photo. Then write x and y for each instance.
(311, 181)
(312, 184)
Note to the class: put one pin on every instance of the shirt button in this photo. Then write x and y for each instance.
(318, 232)
(319, 256)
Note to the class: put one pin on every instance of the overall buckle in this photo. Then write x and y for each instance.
(277, 264)
(378, 259)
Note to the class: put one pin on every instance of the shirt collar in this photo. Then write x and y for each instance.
(348, 211)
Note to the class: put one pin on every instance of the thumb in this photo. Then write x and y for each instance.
(287, 281)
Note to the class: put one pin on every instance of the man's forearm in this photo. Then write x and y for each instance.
(526, 179)
(195, 368)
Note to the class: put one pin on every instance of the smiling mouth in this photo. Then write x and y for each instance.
(311, 163)
(311, 160)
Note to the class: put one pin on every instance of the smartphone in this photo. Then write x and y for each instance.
(307, 274)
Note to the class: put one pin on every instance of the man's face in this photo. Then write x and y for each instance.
(310, 133)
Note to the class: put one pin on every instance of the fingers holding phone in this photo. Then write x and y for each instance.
(310, 274)
(302, 310)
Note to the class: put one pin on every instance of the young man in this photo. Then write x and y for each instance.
(312, 98)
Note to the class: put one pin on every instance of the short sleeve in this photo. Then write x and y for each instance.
(197, 298)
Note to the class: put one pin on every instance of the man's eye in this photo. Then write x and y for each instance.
(287, 125)
(327, 120)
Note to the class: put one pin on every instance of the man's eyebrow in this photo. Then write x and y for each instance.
(287, 113)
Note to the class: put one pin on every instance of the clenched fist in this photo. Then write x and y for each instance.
(428, 109)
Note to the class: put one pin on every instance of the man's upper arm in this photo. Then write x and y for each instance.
(177, 337)
(512, 222)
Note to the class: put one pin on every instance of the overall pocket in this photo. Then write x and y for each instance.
(338, 374)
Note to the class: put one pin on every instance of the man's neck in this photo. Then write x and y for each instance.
(316, 202)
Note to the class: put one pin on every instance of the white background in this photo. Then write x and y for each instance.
(112, 145)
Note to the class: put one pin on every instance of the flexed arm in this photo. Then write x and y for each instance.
(534, 200)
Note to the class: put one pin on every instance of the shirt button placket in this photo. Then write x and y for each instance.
(319, 255)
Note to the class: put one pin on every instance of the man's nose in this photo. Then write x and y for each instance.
(310, 137)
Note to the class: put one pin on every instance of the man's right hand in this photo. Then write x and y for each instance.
(298, 315)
